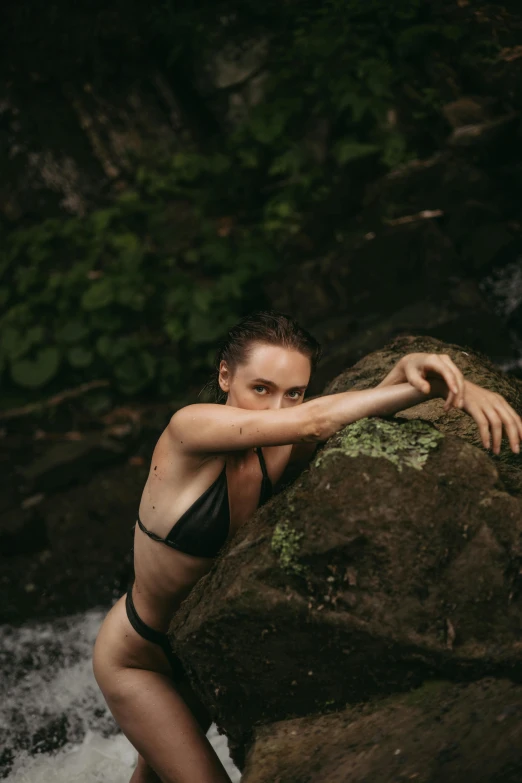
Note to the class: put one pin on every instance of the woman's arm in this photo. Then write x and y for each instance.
(208, 427)
(336, 410)
(218, 428)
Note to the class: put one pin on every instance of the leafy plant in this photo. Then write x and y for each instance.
(89, 297)
(140, 289)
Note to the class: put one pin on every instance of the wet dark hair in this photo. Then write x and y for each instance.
(261, 326)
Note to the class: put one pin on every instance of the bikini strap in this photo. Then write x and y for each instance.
(152, 535)
(262, 462)
(267, 490)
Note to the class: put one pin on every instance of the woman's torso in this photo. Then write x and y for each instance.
(164, 576)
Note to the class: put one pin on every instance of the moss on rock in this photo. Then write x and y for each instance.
(286, 543)
(403, 444)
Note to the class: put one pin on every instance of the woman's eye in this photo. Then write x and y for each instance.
(259, 387)
(297, 393)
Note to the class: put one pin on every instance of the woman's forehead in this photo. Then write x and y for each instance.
(277, 364)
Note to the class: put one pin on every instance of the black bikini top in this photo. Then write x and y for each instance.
(204, 527)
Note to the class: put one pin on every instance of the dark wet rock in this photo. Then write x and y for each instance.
(51, 737)
(22, 532)
(7, 757)
(66, 463)
(394, 559)
(463, 312)
(9, 496)
(500, 131)
(66, 145)
(469, 110)
(425, 233)
(515, 318)
(441, 732)
(87, 560)
(69, 548)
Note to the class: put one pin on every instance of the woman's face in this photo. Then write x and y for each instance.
(273, 377)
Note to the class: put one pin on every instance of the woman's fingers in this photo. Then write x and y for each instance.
(514, 415)
(511, 422)
(442, 364)
(495, 426)
(450, 400)
(493, 416)
(482, 424)
(416, 367)
(453, 377)
(512, 434)
(492, 422)
(414, 377)
(447, 372)
(458, 379)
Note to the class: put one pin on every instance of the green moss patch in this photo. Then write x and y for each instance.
(286, 543)
(403, 444)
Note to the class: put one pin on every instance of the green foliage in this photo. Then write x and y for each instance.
(99, 297)
(407, 444)
(140, 290)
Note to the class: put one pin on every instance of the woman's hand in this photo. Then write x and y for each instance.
(491, 412)
(420, 369)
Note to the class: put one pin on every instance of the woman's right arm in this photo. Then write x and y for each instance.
(217, 428)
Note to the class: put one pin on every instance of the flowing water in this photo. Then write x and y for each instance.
(503, 287)
(54, 724)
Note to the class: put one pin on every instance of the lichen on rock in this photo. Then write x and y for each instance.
(403, 444)
(286, 543)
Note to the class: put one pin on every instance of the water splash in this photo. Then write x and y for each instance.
(95, 759)
(503, 287)
(54, 723)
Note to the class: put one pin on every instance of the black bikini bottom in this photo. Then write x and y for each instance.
(151, 635)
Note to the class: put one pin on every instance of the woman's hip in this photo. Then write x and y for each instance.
(119, 645)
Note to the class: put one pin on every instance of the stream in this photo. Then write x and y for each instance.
(54, 724)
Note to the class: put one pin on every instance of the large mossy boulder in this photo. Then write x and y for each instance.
(394, 559)
(441, 733)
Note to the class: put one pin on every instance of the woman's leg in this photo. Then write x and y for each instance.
(143, 772)
(163, 719)
(157, 721)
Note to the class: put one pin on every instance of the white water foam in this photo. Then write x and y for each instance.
(504, 288)
(54, 723)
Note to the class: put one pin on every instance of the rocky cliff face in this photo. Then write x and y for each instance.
(393, 561)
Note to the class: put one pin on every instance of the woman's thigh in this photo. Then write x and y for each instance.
(164, 720)
(158, 722)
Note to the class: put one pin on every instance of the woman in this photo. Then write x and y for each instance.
(211, 468)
